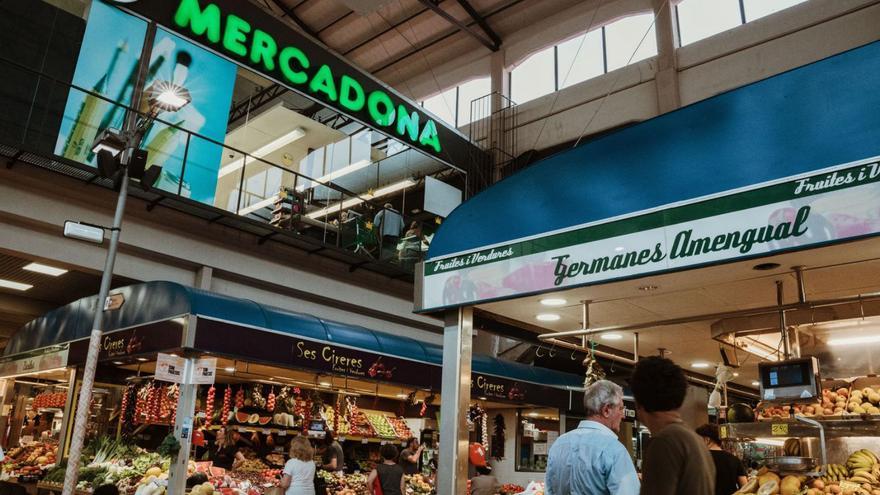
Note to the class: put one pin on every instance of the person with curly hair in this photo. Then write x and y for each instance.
(676, 460)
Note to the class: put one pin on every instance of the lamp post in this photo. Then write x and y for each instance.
(119, 157)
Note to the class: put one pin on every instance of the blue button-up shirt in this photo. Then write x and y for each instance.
(590, 460)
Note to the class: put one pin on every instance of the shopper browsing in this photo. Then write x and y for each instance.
(299, 470)
(333, 458)
(484, 483)
(409, 457)
(676, 461)
(730, 474)
(590, 460)
(389, 474)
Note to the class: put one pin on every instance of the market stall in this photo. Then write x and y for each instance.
(182, 369)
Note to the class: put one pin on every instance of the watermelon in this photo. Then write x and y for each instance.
(740, 413)
(264, 420)
(241, 417)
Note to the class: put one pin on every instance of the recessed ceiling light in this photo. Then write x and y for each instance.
(142, 359)
(756, 384)
(547, 317)
(553, 301)
(648, 288)
(118, 363)
(699, 365)
(611, 336)
(229, 369)
(482, 398)
(45, 269)
(9, 284)
(864, 339)
(735, 374)
(766, 266)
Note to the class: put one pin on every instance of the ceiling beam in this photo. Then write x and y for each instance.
(391, 27)
(488, 43)
(293, 17)
(480, 22)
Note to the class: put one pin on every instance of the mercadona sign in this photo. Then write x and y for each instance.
(249, 36)
(825, 206)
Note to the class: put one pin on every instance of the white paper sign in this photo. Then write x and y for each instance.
(205, 371)
(551, 437)
(170, 368)
(539, 448)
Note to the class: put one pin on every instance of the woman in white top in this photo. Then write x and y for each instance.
(299, 471)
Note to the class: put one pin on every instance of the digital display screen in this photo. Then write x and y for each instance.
(316, 426)
(789, 375)
(794, 380)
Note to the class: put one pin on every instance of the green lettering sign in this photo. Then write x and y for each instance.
(323, 83)
(407, 123)
(201, 22)
(236, 34)
(351, 94)
(428, 137)
(383, 117)
(294, 76)
(263, 49)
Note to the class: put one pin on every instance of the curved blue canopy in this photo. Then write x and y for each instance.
(812, 117)
(158, 301)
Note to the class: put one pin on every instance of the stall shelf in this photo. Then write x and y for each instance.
(791, 428)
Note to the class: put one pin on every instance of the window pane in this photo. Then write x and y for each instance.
(755, 9)
(579, 65)
(469, 92)
(622, 38)
(698, 19)
(443, 106)
(533, 77)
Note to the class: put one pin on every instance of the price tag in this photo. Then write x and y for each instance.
(722, 431)
(364, 440)
(341, 439)
(267, 432)
(383, 442)
(282, 433)
(779, 429)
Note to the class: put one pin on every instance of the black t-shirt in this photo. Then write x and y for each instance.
(334, 450)
(223, 457)
(389, 478)
(727, 469)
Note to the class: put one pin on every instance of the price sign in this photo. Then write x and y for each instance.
(341, 439)
(779, 429)
(722, 431)
(282, 433)
(383, 442)
(364, 440)
(267, 432)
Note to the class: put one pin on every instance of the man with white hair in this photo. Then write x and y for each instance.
(590, 460)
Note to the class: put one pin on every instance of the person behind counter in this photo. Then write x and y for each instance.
(389, 473)
(333, 459)
(484, 483)
(730, 474)
(299, 471)
(224, 453)
(409, 458)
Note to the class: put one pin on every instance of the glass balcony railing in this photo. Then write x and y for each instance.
(236, 183)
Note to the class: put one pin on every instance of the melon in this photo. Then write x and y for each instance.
(264, 420)
(241, 417)
(153, 471)
(740, 413)
(253, 418)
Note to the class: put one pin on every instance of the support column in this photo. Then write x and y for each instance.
(666, 79)
(455, 394)
(203, 277)
(183, 429)
(500, 119)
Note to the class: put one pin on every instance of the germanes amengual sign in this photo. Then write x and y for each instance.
(838, 203)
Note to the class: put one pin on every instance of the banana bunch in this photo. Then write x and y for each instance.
(835, 473)
(792, 447)
(864, 467)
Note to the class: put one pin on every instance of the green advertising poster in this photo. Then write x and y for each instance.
(107, 66)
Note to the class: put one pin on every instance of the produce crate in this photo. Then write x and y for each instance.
(872, 381)
(834, 386)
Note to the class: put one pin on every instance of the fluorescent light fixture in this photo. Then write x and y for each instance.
(229, 369)
(325, 384)
(348, 203)
(775, 442)
(547, 317)
(264, 150)
(863, 339)
(83, 232)
(533, 414)
(354, 167)
(756, 384)
(45, 269)
(699, 365)
(109, 140)
(118, 363)
(553, 301)
(142, 359)
(482, 398)
(9, 284)
(735, 374)
(259, 205)
(611, 336)
(402, 396)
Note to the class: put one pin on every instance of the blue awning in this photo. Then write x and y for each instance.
(158, 301)
(806, 119)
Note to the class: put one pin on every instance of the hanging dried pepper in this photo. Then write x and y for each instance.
(209, 407)
(239, 398)
(227, 402)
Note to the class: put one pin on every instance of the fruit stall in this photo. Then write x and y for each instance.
(841, 424)
(273, 375)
